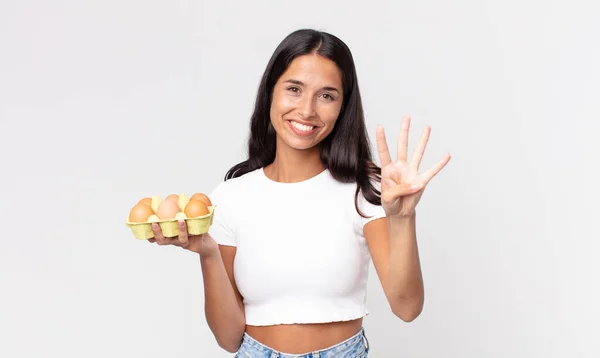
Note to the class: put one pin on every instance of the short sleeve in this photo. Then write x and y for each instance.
(372, 211)
(220, 230)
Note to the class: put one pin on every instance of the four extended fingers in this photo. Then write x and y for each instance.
(384, 154)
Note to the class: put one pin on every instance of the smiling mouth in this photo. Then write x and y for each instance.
(302, 130)
(302, 127)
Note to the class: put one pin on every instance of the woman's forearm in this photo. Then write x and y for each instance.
(224, 315)
(405, 281)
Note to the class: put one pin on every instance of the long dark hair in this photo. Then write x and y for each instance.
(345, 151)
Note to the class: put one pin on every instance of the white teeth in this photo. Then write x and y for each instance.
(302, 127)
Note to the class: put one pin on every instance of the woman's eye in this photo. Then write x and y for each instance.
(328, 96)
(294, 89)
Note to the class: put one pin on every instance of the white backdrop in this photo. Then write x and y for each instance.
(103, 102)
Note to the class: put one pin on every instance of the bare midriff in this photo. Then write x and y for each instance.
(304, 338)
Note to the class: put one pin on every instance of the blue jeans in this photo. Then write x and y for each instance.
(356, 346)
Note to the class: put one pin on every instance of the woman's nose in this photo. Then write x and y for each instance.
(306, 107)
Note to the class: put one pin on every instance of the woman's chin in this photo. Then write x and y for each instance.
(298, 143)
(302, 145)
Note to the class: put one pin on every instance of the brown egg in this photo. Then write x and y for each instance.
(167, 210)
(147, 201)
(173, 197)
(140, 213)
(195, 208)
(202, 197)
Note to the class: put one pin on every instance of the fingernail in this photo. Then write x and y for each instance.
(415, 187)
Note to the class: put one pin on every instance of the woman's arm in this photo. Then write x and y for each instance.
(393, 246)
(223, 307)
(392, 241)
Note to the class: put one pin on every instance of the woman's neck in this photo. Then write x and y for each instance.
(294, 166)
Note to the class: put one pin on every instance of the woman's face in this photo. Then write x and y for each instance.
(307, 100)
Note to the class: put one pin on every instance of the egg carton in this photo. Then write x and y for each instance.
(170, 228)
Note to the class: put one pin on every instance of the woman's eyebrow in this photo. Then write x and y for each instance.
(300, 83)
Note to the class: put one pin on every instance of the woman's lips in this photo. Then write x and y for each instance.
(300, 129)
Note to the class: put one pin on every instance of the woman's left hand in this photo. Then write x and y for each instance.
(401, 183)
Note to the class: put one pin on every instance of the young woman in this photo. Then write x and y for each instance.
(285, 263)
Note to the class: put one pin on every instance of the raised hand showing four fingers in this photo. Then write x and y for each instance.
(401, 183)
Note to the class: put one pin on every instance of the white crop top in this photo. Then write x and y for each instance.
(301, 255)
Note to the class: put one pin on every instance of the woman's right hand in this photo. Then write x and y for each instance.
(204, 244)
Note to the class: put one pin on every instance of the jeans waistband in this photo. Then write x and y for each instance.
(253, 344)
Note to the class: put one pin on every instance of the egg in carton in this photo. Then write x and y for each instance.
(175, 207)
